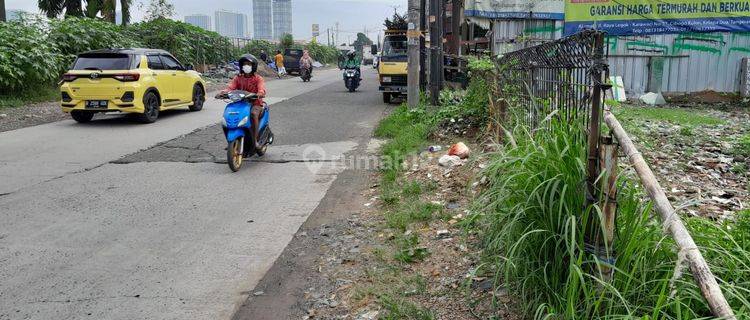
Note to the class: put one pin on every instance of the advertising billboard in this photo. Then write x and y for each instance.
(641, 17)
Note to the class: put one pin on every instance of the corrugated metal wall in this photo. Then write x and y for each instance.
(511, 35)
(692, 62)
(673, 63)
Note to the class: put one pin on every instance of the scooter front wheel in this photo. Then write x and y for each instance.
(234, 155)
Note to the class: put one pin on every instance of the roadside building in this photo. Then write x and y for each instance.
(282, 18)
(231, 24)
(199, 20)
(654, 46)
(263, 19)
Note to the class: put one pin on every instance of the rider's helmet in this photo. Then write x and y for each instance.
(351, 54)
(253, 63)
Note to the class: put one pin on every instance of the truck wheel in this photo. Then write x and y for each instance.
(387, 97)
(82, 116)
(150, 108)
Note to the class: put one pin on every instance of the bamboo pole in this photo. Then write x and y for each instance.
(672, 222)
(608, 164)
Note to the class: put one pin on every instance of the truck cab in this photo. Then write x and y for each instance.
(392, 65)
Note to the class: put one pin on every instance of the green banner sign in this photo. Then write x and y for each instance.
(633, 17)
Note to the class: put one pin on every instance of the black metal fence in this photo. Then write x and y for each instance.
(559, 78)
(564, 81)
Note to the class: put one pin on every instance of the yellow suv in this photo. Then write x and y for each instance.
(139, 81)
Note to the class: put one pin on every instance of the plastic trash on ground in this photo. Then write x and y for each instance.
(653, 99)
(449, 161)
(460, 150)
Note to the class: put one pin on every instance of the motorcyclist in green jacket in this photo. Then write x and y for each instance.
(351, 62)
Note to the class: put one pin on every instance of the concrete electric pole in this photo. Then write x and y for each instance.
(413, 34)
(422, 52)
(437, 7)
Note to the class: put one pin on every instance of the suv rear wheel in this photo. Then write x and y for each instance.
(151, 108)
(82, 116)
(198, 98)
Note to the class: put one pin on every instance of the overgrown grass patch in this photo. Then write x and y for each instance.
(742, 146)
(677, 116)
(34, 95)
(391, 287)
(533, 219)
(411, 211)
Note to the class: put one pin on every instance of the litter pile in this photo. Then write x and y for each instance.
(699, 166)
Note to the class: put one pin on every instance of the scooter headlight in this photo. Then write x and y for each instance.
(243, 122)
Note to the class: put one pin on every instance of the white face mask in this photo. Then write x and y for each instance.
(247, 69)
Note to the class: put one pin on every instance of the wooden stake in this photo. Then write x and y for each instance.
(672, 222)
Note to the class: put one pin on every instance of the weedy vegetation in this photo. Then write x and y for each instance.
(533, 219)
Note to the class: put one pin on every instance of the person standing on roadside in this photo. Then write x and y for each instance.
(264, 57)
(279, 60)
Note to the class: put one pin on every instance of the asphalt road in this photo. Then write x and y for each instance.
(118, 220)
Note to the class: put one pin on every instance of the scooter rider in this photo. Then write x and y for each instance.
(306, 62)
(352, 63)
(248, 80)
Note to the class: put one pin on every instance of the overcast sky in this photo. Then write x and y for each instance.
(353, 15)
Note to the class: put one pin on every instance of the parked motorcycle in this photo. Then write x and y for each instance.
(238, 128)
(351, 79)
(305, 74)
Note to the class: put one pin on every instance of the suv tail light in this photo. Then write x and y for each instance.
(127, 77)
(68, 77)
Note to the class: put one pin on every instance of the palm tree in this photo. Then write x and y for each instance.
(53, 8)
(107, 8)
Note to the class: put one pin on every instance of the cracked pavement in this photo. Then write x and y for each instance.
(117, 220)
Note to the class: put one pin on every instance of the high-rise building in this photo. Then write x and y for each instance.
(199, 20)
(282, 18)
(231, 24)
(263, 19)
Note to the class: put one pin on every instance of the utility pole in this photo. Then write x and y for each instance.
(456, 18)
(328, 37)
(413, 34)
(422, 50)
(436, 46)
(336, 34)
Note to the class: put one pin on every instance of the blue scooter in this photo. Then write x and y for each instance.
(238, 128)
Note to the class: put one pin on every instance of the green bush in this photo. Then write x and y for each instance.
(255, 47)
(27, 58)
(76, 35)
(322, 53)
(34, 53)
(190, 44)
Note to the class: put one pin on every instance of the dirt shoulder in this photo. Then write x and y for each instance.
(364, 254)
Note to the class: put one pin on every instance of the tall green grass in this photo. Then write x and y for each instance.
(533, 220)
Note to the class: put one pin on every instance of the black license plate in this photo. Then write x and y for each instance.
(97, 104)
